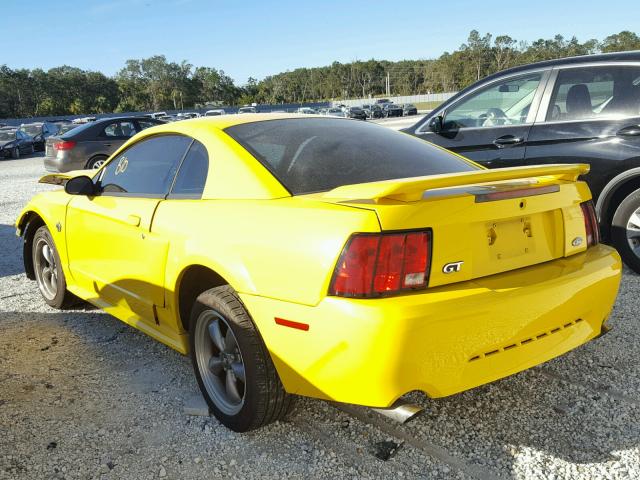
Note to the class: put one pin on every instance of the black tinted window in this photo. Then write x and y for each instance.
(145, 168)
(311, 155)
(193, 172)
(583, 93)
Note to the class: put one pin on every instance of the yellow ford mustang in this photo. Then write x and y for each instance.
(325, 257)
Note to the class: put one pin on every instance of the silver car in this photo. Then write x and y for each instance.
(89, 145)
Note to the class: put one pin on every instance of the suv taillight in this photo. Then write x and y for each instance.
(590, 223)
(64, 145)
(372, 265)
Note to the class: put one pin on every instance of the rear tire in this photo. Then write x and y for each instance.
(48, 271)
(219, 319)
(625, 230)
(96, 162)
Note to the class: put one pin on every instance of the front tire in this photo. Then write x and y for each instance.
(625, 230)
(15, 153)
(232, 365)
(48, 271)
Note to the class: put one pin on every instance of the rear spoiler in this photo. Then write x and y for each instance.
(412, 189)
(62, 178)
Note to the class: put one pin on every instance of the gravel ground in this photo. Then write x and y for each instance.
(82, 395)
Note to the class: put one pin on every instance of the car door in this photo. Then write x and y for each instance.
(589, 114)
(114, 253)
(112, 136)
(490, 124)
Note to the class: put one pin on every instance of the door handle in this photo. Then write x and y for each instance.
(106, 144)
(133, 220)
(630, 131)
(507, 140)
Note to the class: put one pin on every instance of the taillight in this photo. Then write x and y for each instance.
(64, 145)
(378, 264)
(590, 223)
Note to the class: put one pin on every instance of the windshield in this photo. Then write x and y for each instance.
(312, 155)
(32, 129)
(7, 135)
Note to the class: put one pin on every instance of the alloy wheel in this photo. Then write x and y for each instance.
(46, 269)
(220, 362)
(633, 232)
(97, 164)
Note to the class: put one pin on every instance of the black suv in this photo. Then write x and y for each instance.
(572, 110)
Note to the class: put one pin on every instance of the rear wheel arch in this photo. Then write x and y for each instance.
(194, 280)
(619, 188)
(27, 226)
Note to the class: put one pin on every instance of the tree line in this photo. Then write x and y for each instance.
(156, 84)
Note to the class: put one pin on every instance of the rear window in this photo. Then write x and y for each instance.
(314, 155)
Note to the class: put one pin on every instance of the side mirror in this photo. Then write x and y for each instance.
(436, 124)
(81, 185)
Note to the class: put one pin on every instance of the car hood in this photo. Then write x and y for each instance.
(5, 142)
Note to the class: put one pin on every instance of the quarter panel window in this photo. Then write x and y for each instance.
(502, 103)
(147, 168)
(594, 92)
(192, 175)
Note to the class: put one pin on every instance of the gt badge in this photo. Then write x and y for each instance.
(123, 163)
(452, 267)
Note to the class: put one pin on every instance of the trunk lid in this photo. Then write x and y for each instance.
(483, 222)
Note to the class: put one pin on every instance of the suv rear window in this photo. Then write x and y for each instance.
(313, 155)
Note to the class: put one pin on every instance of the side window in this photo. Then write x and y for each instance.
(147, 168)
(193, 172)
(119, 130)
(502, 103)
(146, 124)
(589, 93)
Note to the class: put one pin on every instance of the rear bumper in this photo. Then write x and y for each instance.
(444, 341)
(62, 163)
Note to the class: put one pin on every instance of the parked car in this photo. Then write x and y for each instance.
(307, 111)
(39, 132)
(334, 277)
(215, 112)
(374, 111)
(247, 110)
(14, 142)
(579, 109)
(409, 109)
(335, 112)
(356, 112)
(382, 101)
(89, 145)
(392, 110)
(157, 115)
(80, 121)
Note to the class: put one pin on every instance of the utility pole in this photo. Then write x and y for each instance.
(388, 85)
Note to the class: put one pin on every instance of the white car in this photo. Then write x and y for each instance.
(213, 113)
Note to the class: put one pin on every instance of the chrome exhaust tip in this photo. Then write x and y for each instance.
(401, 411)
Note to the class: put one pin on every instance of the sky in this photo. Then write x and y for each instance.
(263, 37)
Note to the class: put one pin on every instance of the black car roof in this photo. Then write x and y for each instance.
(602, 57)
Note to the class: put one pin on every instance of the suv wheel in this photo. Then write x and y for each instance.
(625, 230)
(232, 365)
